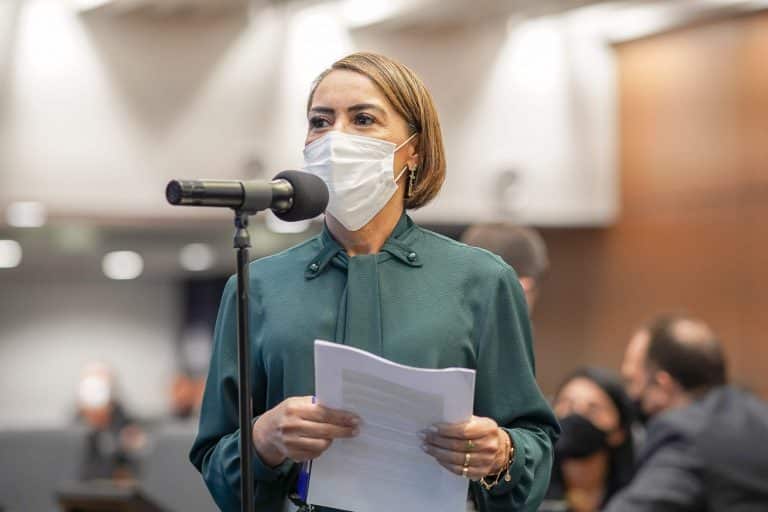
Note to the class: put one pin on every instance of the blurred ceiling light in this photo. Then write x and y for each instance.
(25, 214)
(122, 265)
(359, 13)
(197, 257)
(10, 253)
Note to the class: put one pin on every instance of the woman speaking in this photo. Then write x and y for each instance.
(375, 280)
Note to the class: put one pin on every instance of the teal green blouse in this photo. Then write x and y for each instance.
(424, 301)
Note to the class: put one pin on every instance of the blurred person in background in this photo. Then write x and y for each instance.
(114, 438)
(521, 248)
(634, 375)
(705, 446)
(594, 457)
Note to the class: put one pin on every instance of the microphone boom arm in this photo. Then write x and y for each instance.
(291, 195)
(244, 196)
(260, 195)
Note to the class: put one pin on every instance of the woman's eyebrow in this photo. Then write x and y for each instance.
(354, 108)
(322, 110)
(366, 106)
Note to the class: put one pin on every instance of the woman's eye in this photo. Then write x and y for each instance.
(318, 122)
(364, 119)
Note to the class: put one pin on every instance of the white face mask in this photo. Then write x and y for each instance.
(358, 172)
(94, 392)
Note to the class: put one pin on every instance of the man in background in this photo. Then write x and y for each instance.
(635, 379)
(705, 446)
(522, 248)
(633, 370)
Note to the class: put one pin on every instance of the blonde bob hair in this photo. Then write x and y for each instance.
(411, 99)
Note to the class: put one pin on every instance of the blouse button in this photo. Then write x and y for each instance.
(411, 256)
(314, 267)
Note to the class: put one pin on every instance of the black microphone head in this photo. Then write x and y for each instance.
(173, 192)
(310, 196)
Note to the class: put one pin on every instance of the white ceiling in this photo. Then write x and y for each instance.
(428, 15)
(169, 7)
(435, 14)
(399, 13)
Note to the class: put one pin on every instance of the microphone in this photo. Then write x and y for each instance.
(291, 195)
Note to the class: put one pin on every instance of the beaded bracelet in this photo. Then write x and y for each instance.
(504, 470)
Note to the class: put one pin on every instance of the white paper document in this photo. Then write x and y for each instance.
(384, 467)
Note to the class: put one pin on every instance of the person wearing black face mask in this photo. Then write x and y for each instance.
(581, 438)
(594, 455)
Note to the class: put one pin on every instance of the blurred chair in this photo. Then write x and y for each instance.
(34, 463)
(169, 479)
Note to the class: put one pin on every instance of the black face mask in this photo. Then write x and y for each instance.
(579, 438)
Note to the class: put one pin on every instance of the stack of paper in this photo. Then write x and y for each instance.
(384, 467)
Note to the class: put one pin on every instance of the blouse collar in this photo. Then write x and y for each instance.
(397, 246)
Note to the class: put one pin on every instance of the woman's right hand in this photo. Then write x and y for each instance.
(300, 430)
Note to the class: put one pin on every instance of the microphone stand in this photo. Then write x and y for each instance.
(258, 196)
(246, 198)
(242, 242)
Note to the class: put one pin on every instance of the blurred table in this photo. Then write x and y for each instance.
(104, 496)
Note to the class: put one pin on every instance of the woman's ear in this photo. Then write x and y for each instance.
(413, 156)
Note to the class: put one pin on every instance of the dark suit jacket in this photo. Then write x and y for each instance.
(709, 456)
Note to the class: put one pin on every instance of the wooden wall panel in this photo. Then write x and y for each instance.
(693, 233)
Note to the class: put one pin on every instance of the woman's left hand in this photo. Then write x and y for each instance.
(472, 449)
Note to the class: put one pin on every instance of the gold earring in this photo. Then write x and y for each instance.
(411, 181)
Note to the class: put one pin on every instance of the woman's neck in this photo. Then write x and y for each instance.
(585, 481)
(370, 238)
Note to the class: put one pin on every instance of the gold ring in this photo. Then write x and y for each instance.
(470, 445)
(466, 459)
(464, 471)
